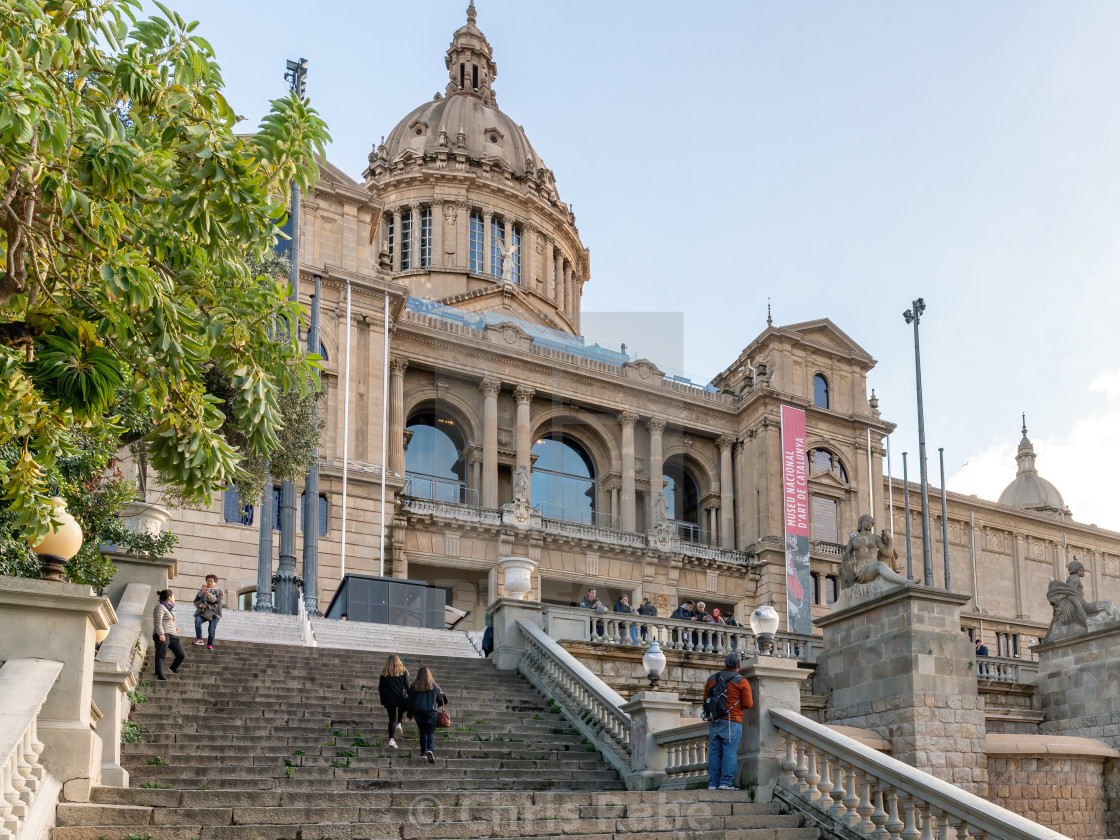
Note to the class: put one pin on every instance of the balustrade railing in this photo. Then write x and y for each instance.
(451, 510)
(1000, 669)
(593, 532)
(722, 555)
(24, 686)
(852, 790)
(579, 516)
(439, 490)
(592, 706)
(632, 630)
(686, 750)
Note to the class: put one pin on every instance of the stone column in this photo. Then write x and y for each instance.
(397, 368)
(775, 684)
(897, 663)
(509, 644)
(627, 419)
(713, 525)
(656, 466)
(650, 712)
(437, 233)
(397, 240)
(490, 388)
(567, 287)
(741, 494)
(487, 269)
(524, 397)
(726, 491)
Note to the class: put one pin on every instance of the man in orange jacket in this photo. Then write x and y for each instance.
(726, 694)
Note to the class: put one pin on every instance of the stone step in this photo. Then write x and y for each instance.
(376, 831)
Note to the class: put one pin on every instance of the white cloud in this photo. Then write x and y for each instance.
(1077, 462)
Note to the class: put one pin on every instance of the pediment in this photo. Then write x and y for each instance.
(824, 333)
(828, 478)
(504, 299)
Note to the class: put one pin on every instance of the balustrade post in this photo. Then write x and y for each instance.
(879, 816)
(650, 712)
(509, 642)
(838, 809)
(894, 825)
(865, 809)
(775, 684)
(851, 798)
(824, 786)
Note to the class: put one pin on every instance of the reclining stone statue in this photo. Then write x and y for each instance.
(867, 565)
(1073, 615)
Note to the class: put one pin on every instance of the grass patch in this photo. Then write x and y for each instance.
(360, 741)
(156, 761)
(155, 786)
(346, 754)
(591, 748)
(287, 772)
(131, 732)
(538, 716)
(136, 696)
(345, 763)
(465, 729)
(299, 752)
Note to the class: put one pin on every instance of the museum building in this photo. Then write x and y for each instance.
(507, 434)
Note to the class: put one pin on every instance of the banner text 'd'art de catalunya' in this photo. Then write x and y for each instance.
(795, 486)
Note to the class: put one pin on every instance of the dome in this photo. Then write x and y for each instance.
(1029, 490)
(465, 120)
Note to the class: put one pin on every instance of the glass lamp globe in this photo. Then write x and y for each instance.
(654, 662)
(764, 623)
(60, 543)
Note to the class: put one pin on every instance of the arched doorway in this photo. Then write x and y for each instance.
(682, 497)
(434, 461)
(564, 485)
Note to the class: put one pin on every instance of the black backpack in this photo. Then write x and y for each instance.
(715, 704)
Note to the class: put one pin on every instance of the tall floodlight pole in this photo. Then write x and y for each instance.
(944, 522)
(914, 316)
(906, 496)
(287, 591)
(311, 484)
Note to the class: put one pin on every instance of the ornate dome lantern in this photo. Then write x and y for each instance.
(1029, 490)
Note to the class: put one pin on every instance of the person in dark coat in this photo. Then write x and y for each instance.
(392, 690)
(424, 701)
(648, 609)
(623, 606)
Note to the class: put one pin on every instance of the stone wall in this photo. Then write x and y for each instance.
(1079, 686)
(1060, 792)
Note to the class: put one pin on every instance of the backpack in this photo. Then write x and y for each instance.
(715, 704)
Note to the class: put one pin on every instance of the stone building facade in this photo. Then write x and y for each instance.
(507, 434)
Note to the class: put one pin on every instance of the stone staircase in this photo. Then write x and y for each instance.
(406, 641)
(267, 742)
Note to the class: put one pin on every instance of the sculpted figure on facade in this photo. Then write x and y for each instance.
(867, 565)
(1073, 615)
(507, 259)
(521, 484)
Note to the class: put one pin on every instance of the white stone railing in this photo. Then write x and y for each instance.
(449, 510)
(632, 630)
(719, 555)
(1000, 669)
(592, 706)
(686, 755)
(24, 686)
(597, 533)
(849, 789)
(306, 633)
(116, 671)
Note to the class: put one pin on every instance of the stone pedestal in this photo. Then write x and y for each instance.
(154, 573)
(509, 644)
(1079, 686)
(897, 663)
(60, 621)
(650, 712)
(775, 684)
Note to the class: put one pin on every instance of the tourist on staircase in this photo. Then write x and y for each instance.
(726, 694)
(393, 691)
(166, 633)
(208, 608)
(425, 702)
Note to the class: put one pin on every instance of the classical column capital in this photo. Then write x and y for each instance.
(655, 426)
(398, 366)
(523, 394)
(725, 442)
(490, 386)
(627, 419)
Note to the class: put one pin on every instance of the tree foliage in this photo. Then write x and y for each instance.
(130, 212)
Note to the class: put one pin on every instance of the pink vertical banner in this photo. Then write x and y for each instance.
(795, 487)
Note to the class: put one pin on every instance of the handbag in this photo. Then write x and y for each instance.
(443, 720)
(207, 614)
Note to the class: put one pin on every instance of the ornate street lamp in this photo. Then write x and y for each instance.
(764, 624)
(914, 316)
(60, 543)
(654, 662)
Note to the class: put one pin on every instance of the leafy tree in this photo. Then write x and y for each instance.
(130, 213)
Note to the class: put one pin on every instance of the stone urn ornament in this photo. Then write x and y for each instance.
(517, 576)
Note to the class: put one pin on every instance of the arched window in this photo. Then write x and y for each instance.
(823, 460)
(434, 459)
(477, 236)
(515, 252)
(563, 484)
(682, 496)
(820, 391)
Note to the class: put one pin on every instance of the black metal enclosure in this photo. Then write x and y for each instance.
(383, 600)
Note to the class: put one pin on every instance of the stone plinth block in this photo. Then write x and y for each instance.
(60, 621)
(775, 684)
(509, 644)
(898, 664)
(154, 573)
(650, 712)
(1079, 686)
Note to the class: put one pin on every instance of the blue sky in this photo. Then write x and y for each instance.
(840, 159)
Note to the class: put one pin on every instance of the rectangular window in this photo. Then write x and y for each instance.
(232, 508)
(824, 519)
(515, 252)
(283, 247)
(390, 237)
(406, 241)
(426, 237)
(497, 235)
(816, 586)
(831, 587)
(476, 243)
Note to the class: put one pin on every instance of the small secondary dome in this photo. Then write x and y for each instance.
(466, 120)
(1029, 490)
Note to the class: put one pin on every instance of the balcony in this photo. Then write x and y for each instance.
(420, 486)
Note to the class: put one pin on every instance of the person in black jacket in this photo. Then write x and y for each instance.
(393, 691)
(424, 700)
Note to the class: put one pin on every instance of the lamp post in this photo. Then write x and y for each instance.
(764, 624)
(914, 316)
(653, 662)
(59, 544)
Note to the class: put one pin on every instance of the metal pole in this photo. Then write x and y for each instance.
(345, 435)
(906, 495)
(264, 550)
(311, 483)
(927, 553)
(945, 523)
(890, 487)
(384, 435)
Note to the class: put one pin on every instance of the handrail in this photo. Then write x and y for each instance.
(451, 510)
(306, 632)
(686, 749)
(24, 686)
(124, 647)
(591, 705)
(839, 782)
(599, 533)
